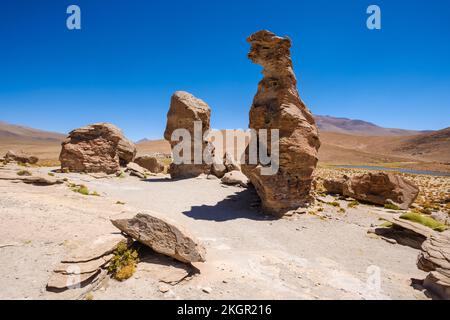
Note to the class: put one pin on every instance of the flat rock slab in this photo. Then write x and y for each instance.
(99, 247)
(409, 225)
(60, 281)
(163, 236)
(83, 267)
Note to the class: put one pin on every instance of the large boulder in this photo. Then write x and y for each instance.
(20, 156)
(377, 188)
(435, 258)
(99, 147)
(163, 236)
(277, 105)
(150, 163)
(185, 109)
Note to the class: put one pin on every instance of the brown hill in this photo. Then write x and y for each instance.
(434, 146)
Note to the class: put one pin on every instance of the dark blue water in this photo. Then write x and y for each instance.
(430, 173)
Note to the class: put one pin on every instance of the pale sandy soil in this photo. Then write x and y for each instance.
(249, 255)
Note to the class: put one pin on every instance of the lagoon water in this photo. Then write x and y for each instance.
(426, 172)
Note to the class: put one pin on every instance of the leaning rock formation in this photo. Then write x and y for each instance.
(20, 157)
(184, 110)
(99, 147)
(163, 236)
(277, 105)
(377, 188)
(435, 258)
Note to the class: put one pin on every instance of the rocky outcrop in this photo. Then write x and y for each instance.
(20, 156)
(277, 105)
(377, 188)
(99, 147)
(150, 163)
(185, 109)
(163, 236)
(435, 258)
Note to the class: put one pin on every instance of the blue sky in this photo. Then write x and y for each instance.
(130, 56)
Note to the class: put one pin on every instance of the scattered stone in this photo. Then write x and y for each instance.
(207, 290)
(235, 178)
(185, 110)
(99, 147)
(162, 236)
(377, 188)
(136, 170)
(435, 258)
(163, 288)
(150, 163)
(277, 105)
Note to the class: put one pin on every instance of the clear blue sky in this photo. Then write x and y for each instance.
(130, 56)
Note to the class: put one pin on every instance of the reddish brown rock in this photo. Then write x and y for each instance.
(184, 110)
(150, 163)
(99, 147)
(20, 156)
(377, 188)
(277, 105)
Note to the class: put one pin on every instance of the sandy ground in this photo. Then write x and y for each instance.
(249, 255)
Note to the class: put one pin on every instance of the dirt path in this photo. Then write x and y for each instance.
(249, 255)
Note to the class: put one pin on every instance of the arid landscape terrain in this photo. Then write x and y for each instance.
(344, 142)
(248, 253)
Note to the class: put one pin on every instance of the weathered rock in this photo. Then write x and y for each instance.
(236, 178)
(441, 217)
(163, 236)
(435, 258)
(83, 267)
(277, 105)
(61, 281)
(99, 147)
(184, 110)
(95, 249)
(40, 179)
(377, 188)
(408, 225)
(136, 170)
(36, 179)
(335, 186)
(218, 169)
(20, 156)
(150, 163)
(230, 163)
